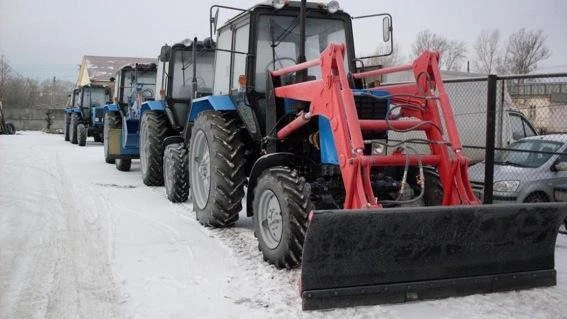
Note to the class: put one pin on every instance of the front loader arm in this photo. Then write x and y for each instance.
(332, 98)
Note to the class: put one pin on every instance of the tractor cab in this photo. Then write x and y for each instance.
(185, 72)
(134, 85)
(272, 36)
(90, 101)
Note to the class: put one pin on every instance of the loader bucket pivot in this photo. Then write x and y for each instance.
(363, 257)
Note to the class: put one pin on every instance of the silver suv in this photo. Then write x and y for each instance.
(528, 171)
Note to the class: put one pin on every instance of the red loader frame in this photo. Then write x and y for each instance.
(332, 98)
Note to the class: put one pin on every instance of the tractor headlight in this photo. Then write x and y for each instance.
(560, 195)
(506, 186)
(333, 6)
(278, 4)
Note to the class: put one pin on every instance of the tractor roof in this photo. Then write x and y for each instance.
(99, 69)
(310, 6)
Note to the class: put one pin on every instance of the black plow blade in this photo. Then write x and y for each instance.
(366, 257)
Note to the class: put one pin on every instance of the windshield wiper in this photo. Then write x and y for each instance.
(509, 163)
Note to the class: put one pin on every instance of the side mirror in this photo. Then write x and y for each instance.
(213, 20)
(559, 167)
(165, 53)
(386, 28)
(366, 27)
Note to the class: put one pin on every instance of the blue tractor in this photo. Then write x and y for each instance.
(165, 127)
(85, 116)
(134, 85)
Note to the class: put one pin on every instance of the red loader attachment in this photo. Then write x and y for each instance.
(365, 254)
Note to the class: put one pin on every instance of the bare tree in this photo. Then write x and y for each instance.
(486, 50)
(393, 59)
(453, 58)
(453, 53)
(524, 50)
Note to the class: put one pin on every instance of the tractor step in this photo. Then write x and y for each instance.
(363, 257)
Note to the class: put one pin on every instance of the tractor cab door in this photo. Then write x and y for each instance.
(179, 86)
(277, 46)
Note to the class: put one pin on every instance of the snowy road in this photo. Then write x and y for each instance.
(80, 239)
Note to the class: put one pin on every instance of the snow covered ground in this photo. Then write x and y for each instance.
(79, 239)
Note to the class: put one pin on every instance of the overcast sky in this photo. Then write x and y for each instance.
(43, 38)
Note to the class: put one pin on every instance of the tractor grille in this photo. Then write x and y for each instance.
(370, 108)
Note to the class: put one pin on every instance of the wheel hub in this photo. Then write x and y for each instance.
(271, 223)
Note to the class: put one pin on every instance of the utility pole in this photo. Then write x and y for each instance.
(2, 78)
(52, 91)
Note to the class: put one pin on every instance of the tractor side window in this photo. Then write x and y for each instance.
(222, 61)
(182, 74)
(241, 45)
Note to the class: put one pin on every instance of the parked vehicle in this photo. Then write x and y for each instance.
(527, 171)
(185, 72)
(86, 116)
(304, 138)
(135, 84)
(468, 98)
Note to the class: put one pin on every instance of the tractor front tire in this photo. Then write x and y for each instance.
(73, 129)
(281, 206)
(217, 169)
(111, 120)
(153, 130)
(81, 134)
(123, 164)
(67, 124)
(176, 172)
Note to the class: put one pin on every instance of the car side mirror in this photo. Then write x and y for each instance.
(559, 167)
(516, 136)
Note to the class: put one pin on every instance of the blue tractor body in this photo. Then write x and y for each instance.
(135, 90)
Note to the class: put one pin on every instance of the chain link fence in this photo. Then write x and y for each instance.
(514, 131)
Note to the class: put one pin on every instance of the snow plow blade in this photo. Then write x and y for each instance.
(366, 257)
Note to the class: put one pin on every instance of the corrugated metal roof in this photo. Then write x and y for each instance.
(102, 68)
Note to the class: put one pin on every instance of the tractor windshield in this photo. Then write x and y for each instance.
(278, 43)
(183, 73)
(94, 96)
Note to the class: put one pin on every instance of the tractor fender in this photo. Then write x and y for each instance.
(211, 102)
(158, 106)
(111, 108)
(261, 164)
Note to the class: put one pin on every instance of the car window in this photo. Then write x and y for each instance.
(527, 153)
(520, 128)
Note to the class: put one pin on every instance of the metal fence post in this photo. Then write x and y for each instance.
(490, 135)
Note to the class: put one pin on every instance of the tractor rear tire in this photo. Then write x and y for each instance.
(281, 206)
(153, 130)
(176, 172)
(67, 124)
(217, 169)
(73, 129)
(10, 129)
(82, 134)
(123, 164)
(111, 120)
